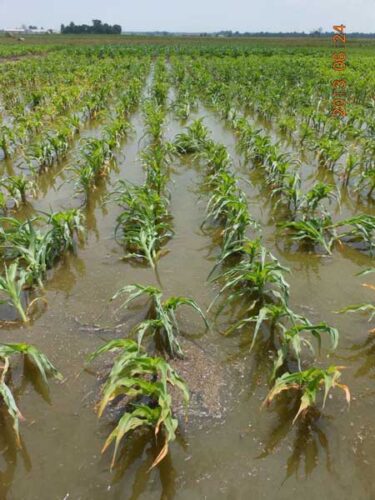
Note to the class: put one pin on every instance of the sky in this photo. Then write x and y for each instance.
(194, 15)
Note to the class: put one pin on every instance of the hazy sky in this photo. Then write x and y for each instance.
(194, 15)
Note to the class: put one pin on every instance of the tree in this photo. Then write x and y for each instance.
(97, 28)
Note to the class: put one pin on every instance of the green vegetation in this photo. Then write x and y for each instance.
(143, 381)
(290, 189)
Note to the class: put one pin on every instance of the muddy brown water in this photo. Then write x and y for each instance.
(229, 448)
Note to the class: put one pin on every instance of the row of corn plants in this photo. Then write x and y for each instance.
(96, 154)
(31, 248)
(310, 223)
(250, 276)
(144, 225)
(225, 86)
(140, 373)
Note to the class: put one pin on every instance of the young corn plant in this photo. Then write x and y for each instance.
(156, 160)
(144, 381)
(8, 140)
(116, 130)
(258, 276)
(3, 203)
(309, 384)
(368, 308)
(329, 151)
(367, 181)
(43, 366)
(294, 337)
(38, 251)
(18, 186)
(65, 226)
(228, 206)
(313, 231)
(161, 321)
(144, 223)
(312, 199)
(154, 116)
(12, 283)
(32, 249)
(40, 155)
(288, 192)
(97, 155)
(215, 157)
(362, 229)
(193, 140)
(352, 162)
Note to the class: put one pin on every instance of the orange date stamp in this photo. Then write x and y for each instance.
(339, 85)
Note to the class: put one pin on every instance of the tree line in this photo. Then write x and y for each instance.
(97, 28)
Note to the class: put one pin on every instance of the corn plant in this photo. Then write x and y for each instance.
(40, 362)
(308, 384)
(293, 338)
(18, 186)
(65, 225)
(22, 241)
(319, 192)
(116, 130)
(352, 162)
(369, 308)
(94, 164)
(193, 140)
(162, 321)
(40, 155)
(3, 203)
(156, 160)
(367, 181)
(36, 250)
(144, 223)
(154, 116)
(8, 140)
(143, 381)
(362, 228)
(258, 276)
(329, 151)
(228, 206)
(313, 230)
(215, 157)
(288, 192)
(11, 285)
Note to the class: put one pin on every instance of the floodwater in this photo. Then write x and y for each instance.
(236, 450)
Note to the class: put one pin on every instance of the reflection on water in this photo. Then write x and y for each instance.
(10, 453)
(19, 379)
(310, 438)
(365, 353)
(69, 271)
(138, 455)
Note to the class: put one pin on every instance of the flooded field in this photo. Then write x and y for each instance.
(228, 443)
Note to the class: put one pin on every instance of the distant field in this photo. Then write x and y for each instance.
(179, 40)
(37, 44)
